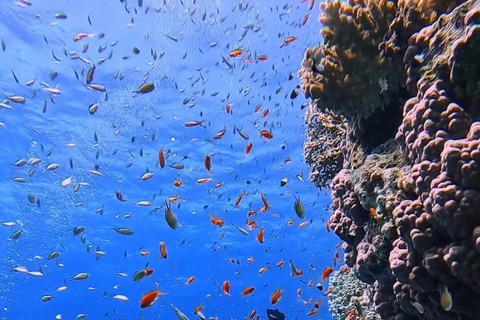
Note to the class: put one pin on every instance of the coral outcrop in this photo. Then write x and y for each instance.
(409, 211)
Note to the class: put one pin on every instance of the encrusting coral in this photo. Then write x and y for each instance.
(409, 212)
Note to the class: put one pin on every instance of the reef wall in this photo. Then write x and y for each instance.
(394, 125)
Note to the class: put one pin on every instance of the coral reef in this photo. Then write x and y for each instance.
(350, 296)
(323, 148)
(358, 71)
(408, 211)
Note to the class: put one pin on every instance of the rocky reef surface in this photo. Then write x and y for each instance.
(393, 129)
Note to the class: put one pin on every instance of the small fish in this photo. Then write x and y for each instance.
(163, 250)
(243, 231)
(208, 163)
(119, 196)
(299, 209)
(120, 297)
(326, 273)
(446, 300)
(236, 53)
(220, 134)
(275, 297)
(80, 276)
(123, 231)
(170, 216)
(180, 315)
(226, 287)
(78, 230)
(142, 274)
(149, 298)
(248, 291)
(81, 36)
(172, 38)
(145, 88)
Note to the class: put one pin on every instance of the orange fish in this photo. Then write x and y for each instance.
(208, 163)
(250, 259)
(262, 270)
(252, 314)
(251, 213)
(312, 3)
(265, 203)
(194, 123)
(303, 224)
(289, 39)
(262, 58)
(163, 250)
(310, 283)
(251, 224)
(177, 183)
(280, 263)
(216, 221)
(220, 134)
(247, 291)
(287, 160)
(260, 235)
(203, 180)
(305, 19)
(239, 198)
(174, 198)
(258, 107)
(218, 185)
(226, 287)
(275, 296)
(265, 113)
(312, 312)
(161, 158)
(144, 253)
(326, 272)
(290, 222)
(248, 148)
(228, 108)
(266, 134)
(190, 280)
(236, 52)
(373, 212)
(149, 298)
(81, 36)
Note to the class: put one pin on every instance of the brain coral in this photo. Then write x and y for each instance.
(409, 214)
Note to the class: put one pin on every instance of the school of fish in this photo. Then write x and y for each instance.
(253, 125)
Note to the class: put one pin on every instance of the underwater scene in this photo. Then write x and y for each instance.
(224, 160)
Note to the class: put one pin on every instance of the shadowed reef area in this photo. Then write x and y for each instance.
(393, 130)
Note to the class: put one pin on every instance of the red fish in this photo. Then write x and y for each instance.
(161, 158)
(247, 291)
(326, 272)
(248, 148)
(149, 298)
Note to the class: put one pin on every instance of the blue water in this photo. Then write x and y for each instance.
(187, 67)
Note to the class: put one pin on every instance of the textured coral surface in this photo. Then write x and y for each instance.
(409, 211)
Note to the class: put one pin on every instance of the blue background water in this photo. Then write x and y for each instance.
(195, 249)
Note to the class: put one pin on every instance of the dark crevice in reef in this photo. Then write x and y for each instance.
(382, 125)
